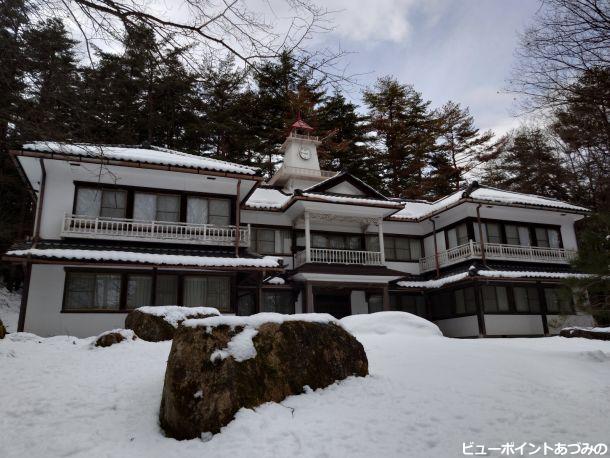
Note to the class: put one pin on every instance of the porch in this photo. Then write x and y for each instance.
(89, 227)
(495, 251)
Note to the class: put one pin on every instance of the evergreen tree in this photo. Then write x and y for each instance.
(404, 130)
(583, 128)
(458, 151)
(226, 124)
(344, 144)
(525, 161)
(52, 107)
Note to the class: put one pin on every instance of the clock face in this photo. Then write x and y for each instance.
(305, 154)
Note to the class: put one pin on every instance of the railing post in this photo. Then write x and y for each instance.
(381, 244)
(95, 226)
(307, 238)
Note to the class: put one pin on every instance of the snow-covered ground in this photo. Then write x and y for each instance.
(426, 395)
(9, 308)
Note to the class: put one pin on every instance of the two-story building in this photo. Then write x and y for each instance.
(123, 227)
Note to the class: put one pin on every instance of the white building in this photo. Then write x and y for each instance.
(122, 227)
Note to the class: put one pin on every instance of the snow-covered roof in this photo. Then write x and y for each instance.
(275, 281)
(498, 274)
(267, 198)
(335, 198)
(268, 262)
(152, 155)
(420, 209)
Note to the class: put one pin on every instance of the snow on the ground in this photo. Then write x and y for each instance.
(9, 308)
(425, 396)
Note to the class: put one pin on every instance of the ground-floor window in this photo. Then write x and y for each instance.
(558, 300)
(409, 303)
(527, 299)
(375, 302)
(105, 291)
(495, 299)
(465, 301)
(277, 301)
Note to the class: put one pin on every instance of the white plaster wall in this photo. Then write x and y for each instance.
(346, 188)
(359, 304)
(513, 325)
(265, 217)
(58, 198)
(465, 326)
(298, 305)
(558, 322)
(43, 315)
(407, 267)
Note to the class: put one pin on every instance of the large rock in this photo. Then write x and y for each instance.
(155, 324)
(587, 333)
(219, 365)
(108, 338)
(2, 330)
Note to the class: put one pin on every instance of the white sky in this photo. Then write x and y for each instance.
(460, 50)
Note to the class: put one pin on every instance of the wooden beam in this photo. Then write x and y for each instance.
(24, 296)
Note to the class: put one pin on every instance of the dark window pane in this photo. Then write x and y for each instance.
(277, 301)
(139, 291)
(460, 302)
(493, 233)
(489, 299)
(220, 211)
(167, 290)
(113, 204)
(512, 234)
(375, 303)
(80, 290)
(168, 208)
(542, 237)
(469, 298)
(246, 303)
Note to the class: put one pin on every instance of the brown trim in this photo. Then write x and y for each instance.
(25, 291)
(480, 311)
(40, 202)
(133, 164)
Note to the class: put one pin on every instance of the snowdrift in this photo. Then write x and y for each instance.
(382, 323)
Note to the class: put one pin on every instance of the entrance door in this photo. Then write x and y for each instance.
(337, 304)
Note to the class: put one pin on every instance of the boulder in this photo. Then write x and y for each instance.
(218, 365)
(587, 333)
(2, 330)
(115, 336)
(155, 324)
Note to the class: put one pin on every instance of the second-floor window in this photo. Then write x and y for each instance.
(270, 241)
(396, 248)
(457, 235)
(151, 206)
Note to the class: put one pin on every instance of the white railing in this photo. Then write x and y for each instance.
(301, 171)
(138, 230)
(304, 136)
(328, 256)
(497, 251)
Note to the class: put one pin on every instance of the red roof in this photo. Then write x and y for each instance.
(300, 124)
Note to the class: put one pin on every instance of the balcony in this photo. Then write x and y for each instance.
(329, 256)
(496, 251)
(153, 231)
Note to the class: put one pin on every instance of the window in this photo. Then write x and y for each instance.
(375, 302)
(558, 300)
(442, 305)
(139, 290)
(465, 301)
(526, 299)
(277, 301)
(156, 207)
(512, 234)
(92, 291)
(246, 303)
(457, 236)
(333, 241)
(493, 233)
(202, 291)
(409, 303)
(101, 202)
(495, 299)
(167, 290)
(547, 237)
(220, 212)
(271, 241)
(396, 248)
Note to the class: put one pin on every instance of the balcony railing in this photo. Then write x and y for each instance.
(328, 256)
(302, 171)
(497, 251)
(165, 231)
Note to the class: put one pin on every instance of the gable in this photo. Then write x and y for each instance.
(347, 189)
(347, 184)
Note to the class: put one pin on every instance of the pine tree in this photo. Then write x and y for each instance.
(404, 131)
(525, 161)
(344, 144)
(458, 151)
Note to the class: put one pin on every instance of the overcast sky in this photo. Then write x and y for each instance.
(459, 50)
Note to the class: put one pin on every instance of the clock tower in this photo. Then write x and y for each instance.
(301, 168)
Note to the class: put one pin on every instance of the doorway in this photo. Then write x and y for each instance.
(334, 302)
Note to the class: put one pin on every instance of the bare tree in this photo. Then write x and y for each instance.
(211, 27)
(566, 39)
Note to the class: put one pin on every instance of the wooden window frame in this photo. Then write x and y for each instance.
(124, 273)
